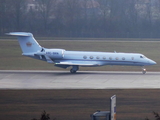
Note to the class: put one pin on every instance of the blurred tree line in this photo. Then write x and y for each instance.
(82, 18)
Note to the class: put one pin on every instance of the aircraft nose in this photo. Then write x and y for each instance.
(152, 62)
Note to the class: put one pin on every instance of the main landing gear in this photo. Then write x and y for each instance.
(74, 68)
(144, 70)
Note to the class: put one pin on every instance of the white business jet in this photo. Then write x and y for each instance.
(64, 59)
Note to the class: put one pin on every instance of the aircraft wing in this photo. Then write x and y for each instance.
(80, 63)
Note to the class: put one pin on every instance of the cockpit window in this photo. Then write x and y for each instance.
(142, 56)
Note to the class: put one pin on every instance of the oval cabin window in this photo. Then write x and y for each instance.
(91, 57)
(85, 57)
(117, 58)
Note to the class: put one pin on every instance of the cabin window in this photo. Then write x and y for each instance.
(97, 57)
(132, 58)
(104, 58)
(85, 57)
(117, 58)
(91, 57)
(123, 58)
(110, 58)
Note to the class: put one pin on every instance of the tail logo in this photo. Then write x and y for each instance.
(29, 44)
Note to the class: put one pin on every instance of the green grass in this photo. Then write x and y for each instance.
(77, 104)
(11, 58)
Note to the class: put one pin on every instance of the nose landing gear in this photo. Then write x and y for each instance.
(144, 70)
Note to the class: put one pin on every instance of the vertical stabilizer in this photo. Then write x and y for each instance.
(27, 42)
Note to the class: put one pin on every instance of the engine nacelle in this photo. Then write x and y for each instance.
(55, 53)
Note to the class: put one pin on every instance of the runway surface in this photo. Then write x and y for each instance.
(22, 79)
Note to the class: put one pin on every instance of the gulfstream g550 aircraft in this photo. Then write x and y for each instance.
(62, 58)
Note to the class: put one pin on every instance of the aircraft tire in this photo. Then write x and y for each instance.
(144, 71)
(73, 71)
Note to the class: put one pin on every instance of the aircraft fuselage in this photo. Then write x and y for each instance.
(62, 58)
(100, 58)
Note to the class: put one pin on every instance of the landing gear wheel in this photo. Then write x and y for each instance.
(73, 71)
(74, 68)
(144, 71)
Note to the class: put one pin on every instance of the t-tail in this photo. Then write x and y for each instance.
(27, 42)
(30, 46)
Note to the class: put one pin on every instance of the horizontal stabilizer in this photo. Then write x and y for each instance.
(19, 34)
